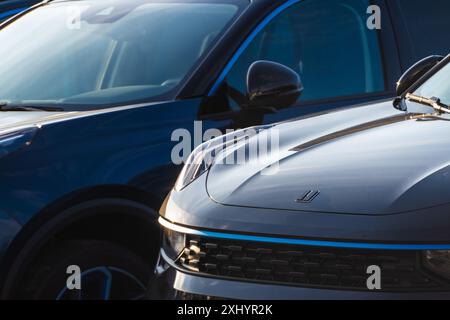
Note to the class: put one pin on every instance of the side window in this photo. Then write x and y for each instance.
(427, 26)
(327, 42)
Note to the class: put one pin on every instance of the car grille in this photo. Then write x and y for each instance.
(319, 267)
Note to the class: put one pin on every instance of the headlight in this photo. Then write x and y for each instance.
(173, 243)
(198, 163)
(201, 159)
(204, 155)
(13, 141)
(438, 262)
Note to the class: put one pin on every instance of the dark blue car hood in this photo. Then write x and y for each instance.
(370, 160)
(13, 120)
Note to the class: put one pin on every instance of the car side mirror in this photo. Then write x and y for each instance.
(416, 72)
(271, 85)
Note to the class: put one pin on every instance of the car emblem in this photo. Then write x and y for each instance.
(308, 196)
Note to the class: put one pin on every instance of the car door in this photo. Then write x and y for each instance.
(329, 44)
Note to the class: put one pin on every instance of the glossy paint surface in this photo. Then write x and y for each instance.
(65, 155)
(130, 148)
(300, 242)
(366, 194)
(398, 166)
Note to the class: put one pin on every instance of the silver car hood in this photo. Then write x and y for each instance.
(369, 160)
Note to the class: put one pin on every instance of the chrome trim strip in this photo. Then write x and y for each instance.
(302, 242)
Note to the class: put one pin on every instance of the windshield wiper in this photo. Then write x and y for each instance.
(433, 102)
(5, 106)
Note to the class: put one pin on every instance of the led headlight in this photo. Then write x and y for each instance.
(205, 155)
(197, 164)
(201, 159)
(13, 141)
(173, 243)
(438, 262)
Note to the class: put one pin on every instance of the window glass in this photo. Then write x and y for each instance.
(108, 52)
(427, 27)
(437, 86)
(327, 42)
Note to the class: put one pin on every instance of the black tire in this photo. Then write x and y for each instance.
(98, 261)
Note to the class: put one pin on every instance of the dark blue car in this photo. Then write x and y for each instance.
(96, 97)
(9, 8)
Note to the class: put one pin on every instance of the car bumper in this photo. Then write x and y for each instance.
(173, 283)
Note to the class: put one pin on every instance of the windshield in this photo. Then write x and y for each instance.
(101, 53)
(437, 86)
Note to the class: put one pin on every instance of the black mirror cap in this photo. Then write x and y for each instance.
(272, 85)
(417, 71)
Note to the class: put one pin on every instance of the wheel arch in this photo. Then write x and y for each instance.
(130, 212)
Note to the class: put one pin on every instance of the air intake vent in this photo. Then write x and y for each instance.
(307, 266)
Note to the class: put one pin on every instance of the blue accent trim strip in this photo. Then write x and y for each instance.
(247, 42)
(11, 12)
(314, 243)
